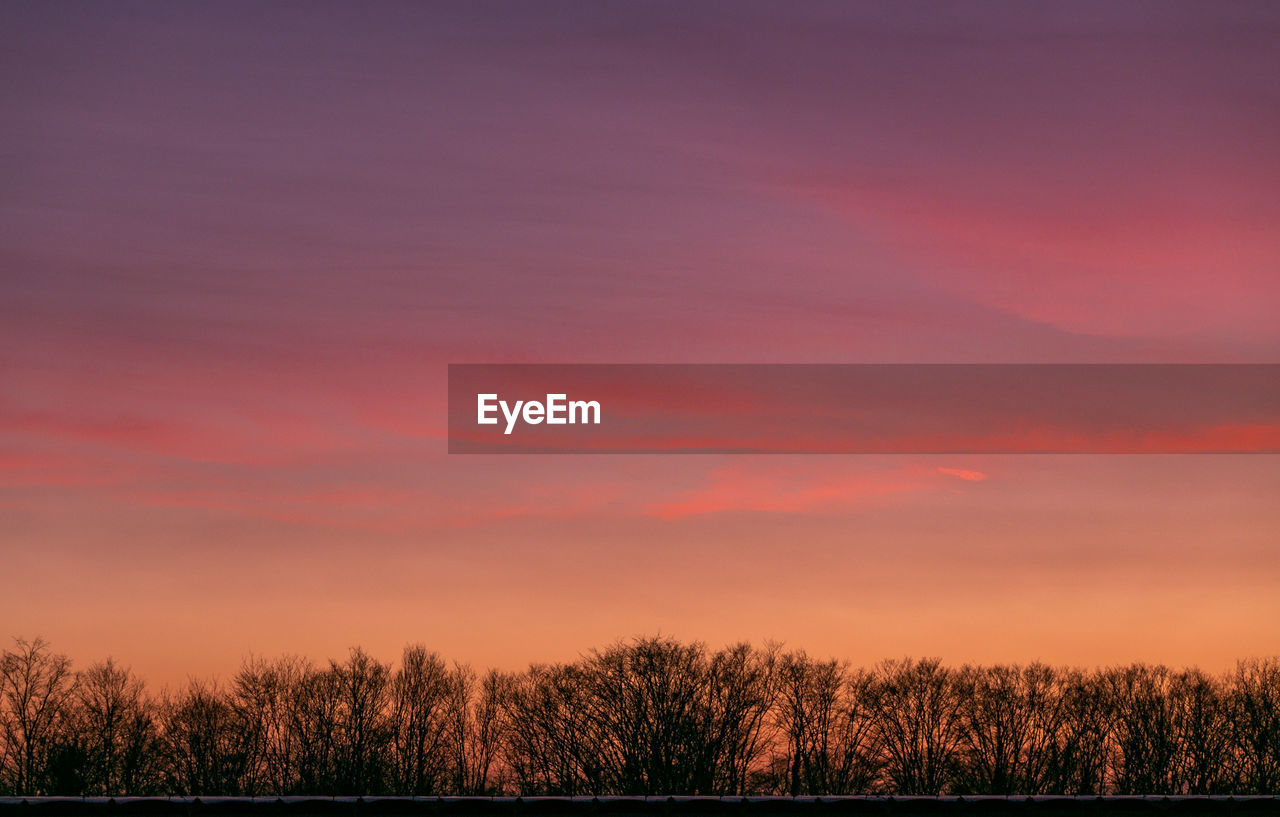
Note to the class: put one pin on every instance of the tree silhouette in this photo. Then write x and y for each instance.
(644, 717)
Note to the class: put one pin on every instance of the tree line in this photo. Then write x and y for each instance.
(649, 716)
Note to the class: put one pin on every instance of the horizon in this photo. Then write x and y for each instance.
(222, 680)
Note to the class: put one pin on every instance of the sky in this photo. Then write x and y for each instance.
(240, 244)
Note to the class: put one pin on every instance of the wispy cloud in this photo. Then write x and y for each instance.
(964, 474)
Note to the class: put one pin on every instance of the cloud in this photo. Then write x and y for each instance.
(1191, 247)
(967, 476)
(748, 487)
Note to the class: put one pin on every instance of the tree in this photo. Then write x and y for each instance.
(1255, 716)
(1145, 739)
(917, 718)
(421, 695)
(1012, 719)
(554, 744)
(263, 694)
(363, 686)
(1081, 755)
(36, 688)
(117, 730)
(205, 742)
(477, 729)
(648, 716)
(1204, 762)
(825, 728)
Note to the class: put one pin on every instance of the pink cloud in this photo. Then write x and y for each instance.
(1078, 252)
(968, 476)
(742, 487)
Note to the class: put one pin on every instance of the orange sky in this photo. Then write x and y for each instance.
(239, 246)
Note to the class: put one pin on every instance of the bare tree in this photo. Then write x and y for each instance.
(313, 715)
(918, 724)
(643, 698)
(1082, 754)
(1203, 763)
(675, 719)
(204, 740)
(1012, 719)
(554, 746)
(1143, 729)
(419, 723)
(117, 729)
(477, 727)
(742, 685)
(1255, 715)
(363, 685)
(826, 728)
(36, 688)
(648, 716)
(263, 694)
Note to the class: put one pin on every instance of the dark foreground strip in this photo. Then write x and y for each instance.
(636, 806)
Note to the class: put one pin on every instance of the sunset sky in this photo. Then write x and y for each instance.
(240, 243)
